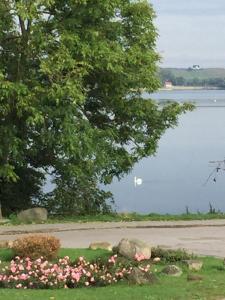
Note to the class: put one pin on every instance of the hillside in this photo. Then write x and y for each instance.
(205, 77)
(201, 74)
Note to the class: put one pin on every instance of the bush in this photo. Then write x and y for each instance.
(171, 255)
(77, 197)
(35, 246)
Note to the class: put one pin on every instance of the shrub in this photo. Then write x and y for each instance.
(171, 255)
(35, 246)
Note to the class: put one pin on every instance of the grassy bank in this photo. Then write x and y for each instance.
(128, 217)
(170, 288)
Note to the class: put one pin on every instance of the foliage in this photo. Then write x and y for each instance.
(77, 197)
(71, 106)
(169, 255)
(18, 196)
(35, 246)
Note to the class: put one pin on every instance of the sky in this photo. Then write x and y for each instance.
(191, 32)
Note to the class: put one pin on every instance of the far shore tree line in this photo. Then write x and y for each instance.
(71, 106)
(216, 82)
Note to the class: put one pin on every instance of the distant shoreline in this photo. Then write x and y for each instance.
(182, 88)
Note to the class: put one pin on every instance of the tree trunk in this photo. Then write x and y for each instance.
(1, 211)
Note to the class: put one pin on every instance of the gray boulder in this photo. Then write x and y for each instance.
(139, 277)
(172, 270)
(36, 214)
(193, 265)
(133, 247)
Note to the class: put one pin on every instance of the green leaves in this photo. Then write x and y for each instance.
(71, 82)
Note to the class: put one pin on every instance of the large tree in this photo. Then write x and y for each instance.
(72, 73)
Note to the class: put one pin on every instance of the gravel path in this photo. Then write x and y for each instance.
(200, 237)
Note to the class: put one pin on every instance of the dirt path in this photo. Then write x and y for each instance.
(200, 237)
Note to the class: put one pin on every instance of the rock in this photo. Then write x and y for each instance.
(130, 248)
(36, 214)
(4, 221)
(172, 270)
(194, 265)
(139, 277)
(115, 249)
(101, 245)
(194, 277)
(156, 259)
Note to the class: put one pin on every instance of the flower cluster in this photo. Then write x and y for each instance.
(140, 257)
(42, 274)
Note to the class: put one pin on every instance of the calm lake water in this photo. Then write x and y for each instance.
(175, 177)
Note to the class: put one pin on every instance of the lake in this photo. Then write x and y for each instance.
(176, 176)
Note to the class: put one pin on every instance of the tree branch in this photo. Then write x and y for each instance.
(22, 26)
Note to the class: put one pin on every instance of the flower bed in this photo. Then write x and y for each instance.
(42, 274)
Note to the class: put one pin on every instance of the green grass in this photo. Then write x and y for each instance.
(6, 255)
(127, 217)
(168, 288)
(87, 253)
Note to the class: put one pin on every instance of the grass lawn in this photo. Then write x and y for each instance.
(127, 217)
(212, 287)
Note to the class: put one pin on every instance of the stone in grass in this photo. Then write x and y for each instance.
(37, 214)
(132, 247)
(194, 277)
(4, 221)
(156, 259)
(139, 277)
(193, 265)
(172, 270)
(101, 245)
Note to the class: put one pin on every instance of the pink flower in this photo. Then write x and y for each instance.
(112, 259)
(23, 276)
(60, 277)
(13, 269)
(140, 257)
(88, 274)
(76, 276)
(21, 267)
